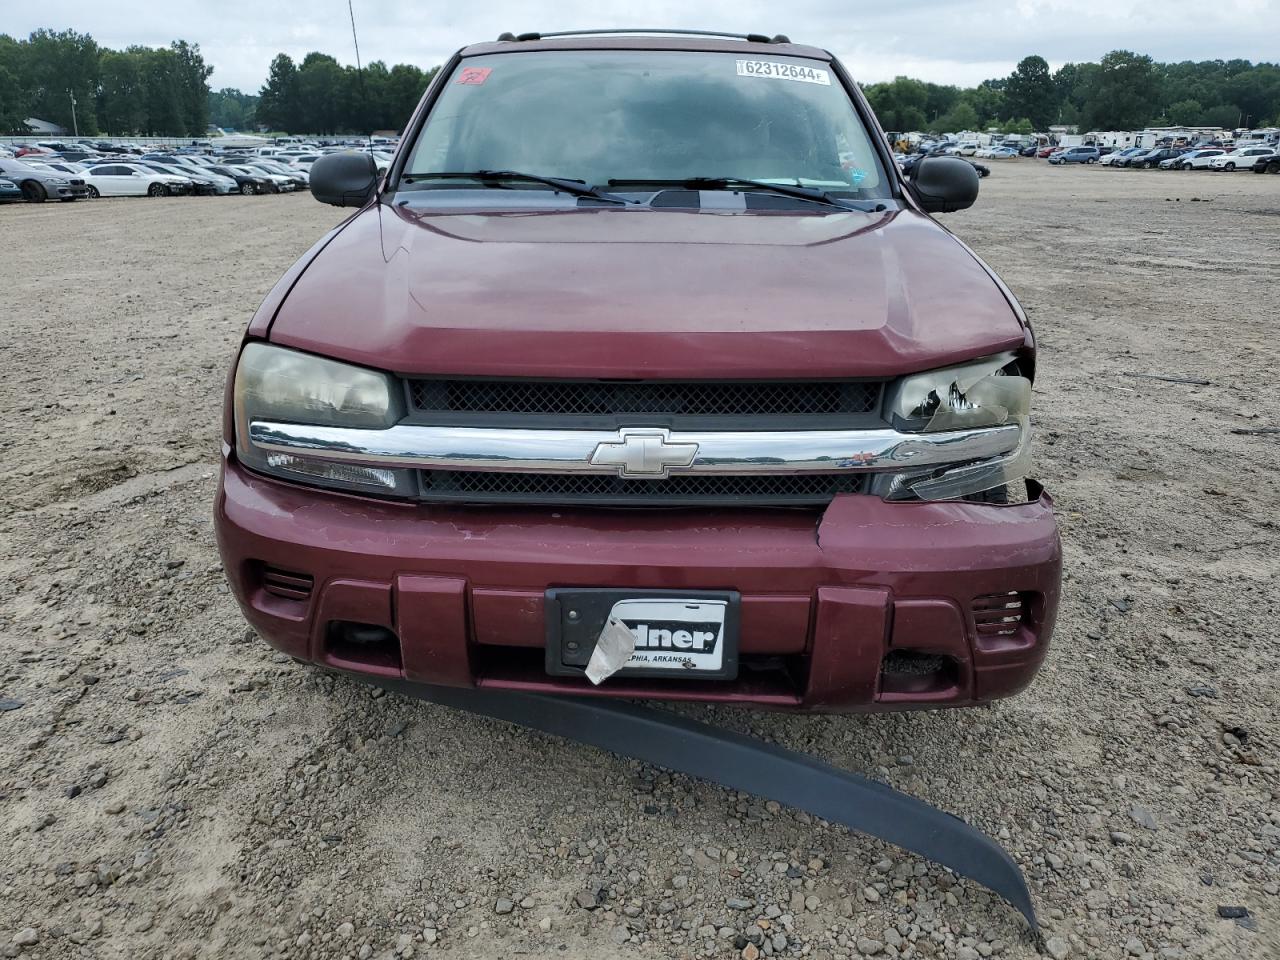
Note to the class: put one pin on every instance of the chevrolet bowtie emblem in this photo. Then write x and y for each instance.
(643, 453)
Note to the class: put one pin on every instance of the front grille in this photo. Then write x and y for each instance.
(759, 405)
(655, 398)
(596, 489)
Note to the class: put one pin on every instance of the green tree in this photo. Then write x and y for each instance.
(900, 104)
(14, 94)
(1226, 115)
(1030, 92)
(322, 94)
(232, 109)
(1125, 94)
(122, 96)
(191, 74)
(405, 86)
(987, 100)
(1256, 90)
(1186, 113)
(60, 66)
(1075, 83)
(278, 105)
(960, 117)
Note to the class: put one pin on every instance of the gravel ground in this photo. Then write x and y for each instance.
(170, 787)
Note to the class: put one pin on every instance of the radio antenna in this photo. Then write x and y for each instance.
(359, 69)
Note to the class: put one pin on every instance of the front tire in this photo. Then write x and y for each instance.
(1229, 167)
(34, 192)
(246, 189)
(93, 192)
(1273, 166)
(157, 190)
(1185, 166)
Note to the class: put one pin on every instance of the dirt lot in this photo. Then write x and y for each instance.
(169, 787)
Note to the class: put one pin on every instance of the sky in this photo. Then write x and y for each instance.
(946, 41)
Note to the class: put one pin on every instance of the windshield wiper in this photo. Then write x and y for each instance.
(797, 190)
(576, 187)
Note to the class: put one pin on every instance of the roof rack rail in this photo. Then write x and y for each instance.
(749, 37)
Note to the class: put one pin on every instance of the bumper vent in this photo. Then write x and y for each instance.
(592, 489)
(286, 584)
(999, 615)
(661, 398)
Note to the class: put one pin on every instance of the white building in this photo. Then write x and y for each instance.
(44, 127)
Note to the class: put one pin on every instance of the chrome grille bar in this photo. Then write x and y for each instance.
(635, 452)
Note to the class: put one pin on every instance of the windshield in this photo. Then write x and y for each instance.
(601, 115)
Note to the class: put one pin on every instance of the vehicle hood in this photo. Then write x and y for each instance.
(604, 292)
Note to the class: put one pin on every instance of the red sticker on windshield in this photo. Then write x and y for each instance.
(474, 75)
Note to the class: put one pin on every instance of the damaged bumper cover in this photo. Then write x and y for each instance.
(871, 605)
(743, 763)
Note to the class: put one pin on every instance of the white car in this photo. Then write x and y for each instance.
(128, 180)
(1193, 159)
(1242, 158)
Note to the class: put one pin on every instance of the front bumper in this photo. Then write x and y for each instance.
(827, 600)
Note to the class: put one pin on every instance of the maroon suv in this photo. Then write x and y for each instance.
(643, 372)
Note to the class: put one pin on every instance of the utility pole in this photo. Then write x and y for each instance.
(75, 127)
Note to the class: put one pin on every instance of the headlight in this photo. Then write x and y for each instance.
(275, 385)
(986, 393)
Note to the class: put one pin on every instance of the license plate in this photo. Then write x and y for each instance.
(678, 634)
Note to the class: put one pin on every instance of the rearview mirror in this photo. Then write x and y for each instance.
(945, 184)
(344, 179)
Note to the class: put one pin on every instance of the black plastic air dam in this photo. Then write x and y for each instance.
(742, 763)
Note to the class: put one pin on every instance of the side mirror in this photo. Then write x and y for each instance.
(945, 184)
(344, 179)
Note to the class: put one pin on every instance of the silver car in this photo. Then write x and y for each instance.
(39, 184)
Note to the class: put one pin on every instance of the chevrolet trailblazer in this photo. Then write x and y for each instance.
(642, 372)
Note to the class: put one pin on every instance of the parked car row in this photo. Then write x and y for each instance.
(49, 177)
(55, 170)
(1255, 158)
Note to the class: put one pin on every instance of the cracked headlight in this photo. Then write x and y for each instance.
(276, 385)
(986, 393)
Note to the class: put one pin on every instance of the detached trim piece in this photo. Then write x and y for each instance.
(743, 763)
(634, 451)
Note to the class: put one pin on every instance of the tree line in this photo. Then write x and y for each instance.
(68, 79)
(321, 96)
(164, 91)
(1123, 91)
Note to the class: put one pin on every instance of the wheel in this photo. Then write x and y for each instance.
(1092, 160)
(93, 192)
(1149, 164)
(1273, 166)
(34, 192)
(1229, 167)
(157, 190)
(246, 189)
(1185, 166)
